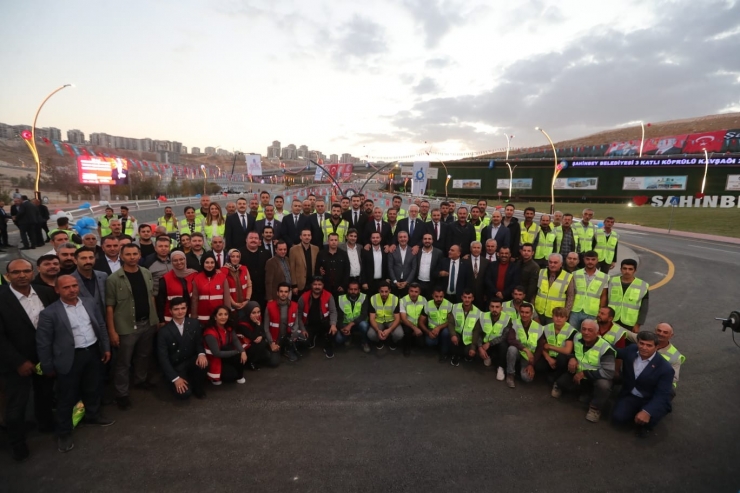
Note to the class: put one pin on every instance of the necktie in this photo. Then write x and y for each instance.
(244, 223)
(377, 226)
(295, 219)
(218, 259)
(269, 224)
(475, 267)
(436, 232)
(355, 223)
(269, 249)
(411, 227)
(452, 278)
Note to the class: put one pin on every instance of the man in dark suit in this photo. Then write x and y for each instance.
(90, 281)
(269, 220)
(462, 233)
(647, 384)
(111, 259)
(375, 224)
(181, 353)
(20, 305)
(402, 265)
(439, 231)
(72, 341)
(238, 225)
(497, 231)
(454, 275)
(428, 262)
(496, 287)
(355, 216)
(29, 221)
(476, 265)
(414, 226)
(293, 224)
(374, 265)
(315, 221)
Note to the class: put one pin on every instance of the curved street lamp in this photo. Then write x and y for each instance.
(378, 170)
(511, 170)
(205, 177)
(642, 139)
(449, 177)
(555, 171)
(326, 172)
(31, 140)
(706, 170)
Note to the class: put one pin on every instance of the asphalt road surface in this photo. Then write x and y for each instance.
(382, 422)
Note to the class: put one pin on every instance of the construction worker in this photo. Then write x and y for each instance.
(168, 221)
(555, 288)
(335, 224)
(465, 318)
(476, 221)
(193, 223)
(104, 222)
(525, 346)
(558, 346)
(435, 323)
(547, 240)
(385, 318)
(411, 309)
(591, 369)
(264, 202)
(353, 315)
(128, 223)
(628, 297)
(591, 290)
(664, 331)
(401, 213)
(607, 241)
(529, 230)
(585, 231)
(491, 342)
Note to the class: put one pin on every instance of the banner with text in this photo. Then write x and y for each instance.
(419, 178)
(517, 184)
(467, 184)
(576, 183)
(254, 164)
(654, 183)
(733, 182)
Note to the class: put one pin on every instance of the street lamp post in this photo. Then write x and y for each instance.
(205, 177)
(326, 172)
(642, 139)
(31, 140)
(511, 170)
(394, 164)
(555, 170)
(706, 170)
(449, 177)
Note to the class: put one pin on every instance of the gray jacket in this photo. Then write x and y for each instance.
(99, 296)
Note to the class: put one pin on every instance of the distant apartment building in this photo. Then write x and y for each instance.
(169, 157)
(75, 136)
(183, 150)
(273, 151)
(101, 139)
(195, 151)
(51, 133)
(289, 153)
(210, 151)
(224, 152)
(346, 158)
(333, 159)
(302, 151)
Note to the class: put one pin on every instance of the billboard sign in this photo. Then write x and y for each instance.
(654, 183)
(102, 170)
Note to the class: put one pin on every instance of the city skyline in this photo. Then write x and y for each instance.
(378, 78)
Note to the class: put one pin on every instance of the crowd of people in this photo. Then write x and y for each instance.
(199, 300)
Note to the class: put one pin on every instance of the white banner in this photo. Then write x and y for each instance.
(518, 184)
(467, 184)
(654, 182)
(254, 164)
(576, 183)
(419, 178)
(407, 171)
(733, 182)
(318, 175)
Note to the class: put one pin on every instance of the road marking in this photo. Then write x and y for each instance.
(671, 268)
(715, 249)
(624, 231)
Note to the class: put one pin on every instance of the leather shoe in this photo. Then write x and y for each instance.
(99, 421)
(21, 452)
(65, 443)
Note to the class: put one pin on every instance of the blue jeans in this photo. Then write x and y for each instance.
(358, 327)
(443, 339)
(577, 318)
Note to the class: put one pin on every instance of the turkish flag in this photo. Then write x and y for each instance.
(711, 141)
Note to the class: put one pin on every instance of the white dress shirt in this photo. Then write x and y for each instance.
(354, 260)
(377, 263)
(491, 257)
(180, 327)
(114, 265)
(425, 265)
(31, 304)
(79, 320)
(639, 365)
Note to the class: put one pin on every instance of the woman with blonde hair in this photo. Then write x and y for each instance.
(214, 224)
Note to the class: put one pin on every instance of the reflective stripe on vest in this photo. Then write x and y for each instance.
(591, 359)
(528, 338)
(606, 247)
(557, 338)
(351, 313)
(173, 287)
(170, 225)
(323, 300)
(384, 311)
(464, 324)
(529, 235)
(545, 244)
(626, 305)
(585, 236)
(437, 316)
(210, 293)
(413, 310)
(327, 227)
(105, 225)
(208, 228)
(614, 334)
(551, 296)
(672, 356)
(478, 229)
(491, 329)
(273, 311)
(588, 294)
(508, 307)
(185, 226)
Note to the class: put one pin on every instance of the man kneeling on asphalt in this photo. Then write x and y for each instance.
(491, 339)
(354, 315)
(319, 315)
(412, 317)
(465, 318)
(525, 346)
(558, 347)
(281, 320)
(435, 323)
(591, 370)
(385, 319)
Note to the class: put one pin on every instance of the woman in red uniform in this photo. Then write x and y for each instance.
(177, 282)
(224, 351)
(253, 332)
(240, 284)
(210, 290)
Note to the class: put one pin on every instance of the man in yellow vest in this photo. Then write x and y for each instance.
(465, 318)
(435, 323)
(335, 224)
(525, 346)
(411, 309)
(628, 297)
(555, 288)
(476, 221)
(353, 316)
(168, 221)
(547, 241)
(558, 346)
(494, 326)
(664, 331)
(585, 231)
(128, 223)
(529, 230)
(264, 202)
(104, 222)
(590, 370)
(385, 318)
(591, 289)
(396, 204)
(607, 242)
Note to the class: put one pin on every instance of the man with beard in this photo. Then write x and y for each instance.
(255, 260)
(66, 254)
(335, 224)
(512, 224)
(48, 267)
(333, 264)
(91, 282)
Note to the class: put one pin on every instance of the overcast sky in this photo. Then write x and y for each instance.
(371, 78)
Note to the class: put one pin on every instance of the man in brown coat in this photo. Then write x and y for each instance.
(277, 270)
(302, 263)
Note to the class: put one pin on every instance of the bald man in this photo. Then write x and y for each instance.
(665, 332)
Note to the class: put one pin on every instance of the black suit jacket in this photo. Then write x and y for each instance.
(17, 333)
(361, 221)
(478, 284)
(367, 273)
(511, 281)
(291, 231)
(443, 243)
(419, 229)
(386, 237)
(28, 214)
(193, 262)
(277, 227)
(101, 264)
(173, 348)
(516, 231)
(655, 382)
(234, 234)
(434, 268)
(464, 278)
(317, 234)
(461, 236)
(503, 236)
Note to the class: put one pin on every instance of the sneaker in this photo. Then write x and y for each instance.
(329, 352)
(21, 452)
(65, 443)
(500, 375)
(487, 362)
(556, 392)
(123, 403)
(365, 347)
(242, 380)
(311, 342)
(593, 415)
(455, 361)
(510, 381)
(380, 345)
(99, 421)
(291, 355)
(216, 382)
(392, 345)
